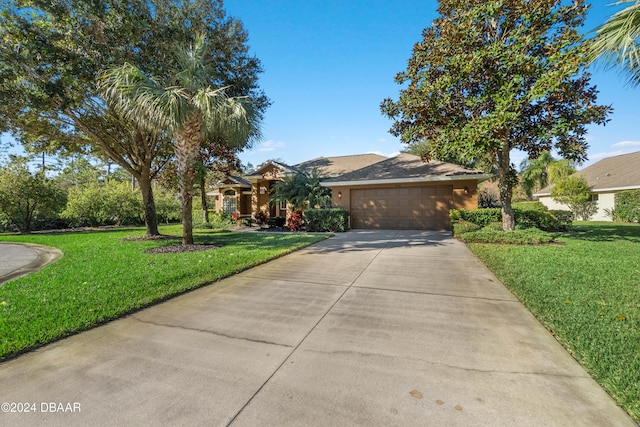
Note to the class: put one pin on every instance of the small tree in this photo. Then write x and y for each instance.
(25, 197)
(301, 190)
(575, 192)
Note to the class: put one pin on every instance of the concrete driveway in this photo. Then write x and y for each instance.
(385, 328)
(20, 259)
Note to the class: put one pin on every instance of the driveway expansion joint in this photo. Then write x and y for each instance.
(436, 294)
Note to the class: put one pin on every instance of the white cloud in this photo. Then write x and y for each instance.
(627, 144)
(269, 146)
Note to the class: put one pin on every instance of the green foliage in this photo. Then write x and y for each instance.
(27, 198)
(302, 189)
(101, 277)
(332, 220)
(481, 217)
(278, 221)
(95, 204)
(491, 76)
(542, 171)
(488, 198)
(544, 220)
(575, 192)
(527, 215)
(52, 52)
(461, 226)
(168, 207)
(585, 292)
(627, 206)
(492, 234)
(530, 206)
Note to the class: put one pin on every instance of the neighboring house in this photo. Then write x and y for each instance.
(403, 192)
(250, 194)
(606, 178)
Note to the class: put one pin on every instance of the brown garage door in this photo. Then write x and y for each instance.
(406, 208)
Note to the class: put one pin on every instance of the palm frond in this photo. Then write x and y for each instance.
(617, 41)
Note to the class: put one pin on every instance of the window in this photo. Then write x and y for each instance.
(594, 197)
(229, 202)
(283, 205)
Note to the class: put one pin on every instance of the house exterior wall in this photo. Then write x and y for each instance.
(605, 201)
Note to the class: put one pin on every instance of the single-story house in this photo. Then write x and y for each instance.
(401, 192)
(606, 178)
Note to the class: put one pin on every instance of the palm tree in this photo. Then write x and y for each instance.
(538, 173)
(188, 108)
(616, 41)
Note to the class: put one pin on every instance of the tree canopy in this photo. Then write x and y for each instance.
(187, 108)
(490, 76)
(51, 54)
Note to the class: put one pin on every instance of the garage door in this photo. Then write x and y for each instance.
(406, 208)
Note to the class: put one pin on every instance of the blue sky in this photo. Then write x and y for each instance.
(329, 63)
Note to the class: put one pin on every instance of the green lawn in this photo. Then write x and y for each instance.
(587, 293)
(100, 277)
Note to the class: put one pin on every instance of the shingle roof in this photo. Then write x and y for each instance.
(611, 173)
(334, 166)
(409, 168)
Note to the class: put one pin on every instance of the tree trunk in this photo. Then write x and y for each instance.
(203, 198)
(506, 178)
(150, 217)
(186, 149)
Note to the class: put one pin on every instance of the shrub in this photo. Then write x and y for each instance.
(461, 226)
(277, 221)
(481, 217)
(530, 236)
(103, 204)
(488, 198)
(261, 218)
(296, 221)
(168, 206)
(527, 215)
(627, 206)
(530, 206)
(333, 220)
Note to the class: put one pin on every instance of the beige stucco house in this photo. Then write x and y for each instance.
(606, 178)
(401, 192)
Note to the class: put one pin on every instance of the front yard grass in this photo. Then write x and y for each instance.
(587, 293)
(100, 278)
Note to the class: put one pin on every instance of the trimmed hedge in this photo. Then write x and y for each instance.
(461, 226)
(530, 236)
(333, 220)
(529, 217)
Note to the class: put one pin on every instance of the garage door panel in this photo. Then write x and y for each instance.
(401, 207)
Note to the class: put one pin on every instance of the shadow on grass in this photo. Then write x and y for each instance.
(605, 232)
